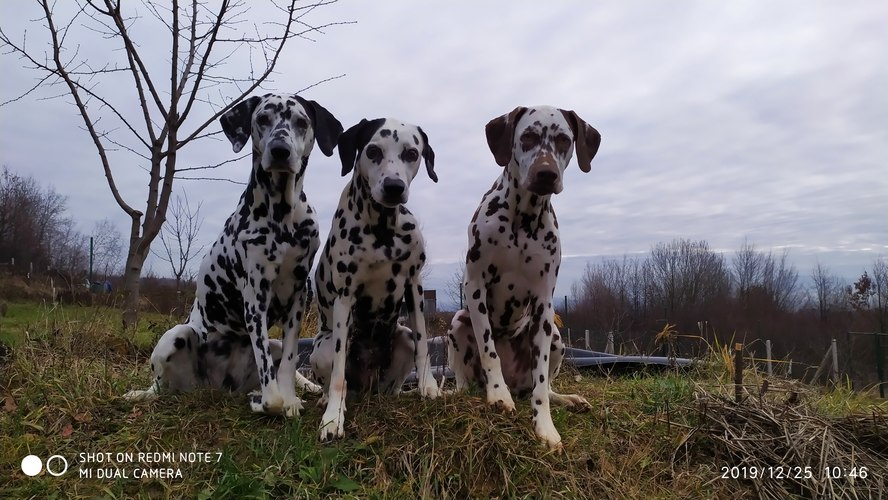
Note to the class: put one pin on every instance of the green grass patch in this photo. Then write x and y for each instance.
(61, 387)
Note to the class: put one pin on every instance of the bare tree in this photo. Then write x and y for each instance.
(764, 280)
(827, 290)
(69, 253)
(179, 238)
(178, 99)
(747, 265)
(610, 295)
(32, 222)
(453, 287)
(780, 281)
(107, 248)
(880, 285)
(685, 277)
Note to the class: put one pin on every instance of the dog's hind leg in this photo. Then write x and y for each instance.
(462, 349)
(574, 401)
(403, 353)
(173, 364)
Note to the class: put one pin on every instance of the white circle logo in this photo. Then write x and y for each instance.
(31, 465)
(61, 469)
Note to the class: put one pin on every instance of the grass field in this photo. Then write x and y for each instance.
(649, 435)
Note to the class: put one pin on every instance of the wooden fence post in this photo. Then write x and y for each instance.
(588, 343)
(609, 347)
(738, 372)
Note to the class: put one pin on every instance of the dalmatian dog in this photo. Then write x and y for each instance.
(255, 273)
(372, 261)
(506, 338)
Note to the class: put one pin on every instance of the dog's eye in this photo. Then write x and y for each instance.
(262, 120)
(374, 153)
(410, 155)
(301, 123)
(529, 140)
(562, 143)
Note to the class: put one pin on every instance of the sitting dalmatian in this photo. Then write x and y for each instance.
(255, 274)
(506, 338)
(372, 261)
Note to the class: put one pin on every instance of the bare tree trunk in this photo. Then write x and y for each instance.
(131, 288)
(203, 36)
(132, 274)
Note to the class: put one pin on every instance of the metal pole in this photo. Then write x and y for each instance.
(880, 366)
(90, 260)
(880, 359)
(768, 354)
(835, 363)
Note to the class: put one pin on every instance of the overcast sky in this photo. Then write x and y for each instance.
(719, 121)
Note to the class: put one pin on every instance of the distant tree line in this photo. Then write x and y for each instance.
(747, 295)
(38, 235)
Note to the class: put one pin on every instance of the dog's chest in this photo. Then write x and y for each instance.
(520, 270)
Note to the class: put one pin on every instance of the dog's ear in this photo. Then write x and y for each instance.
(353, 140)
(327, 128)
(428, 154)
(500, 134)
(237, 122)
(586, 138)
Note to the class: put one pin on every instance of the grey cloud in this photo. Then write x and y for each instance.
(719, 121)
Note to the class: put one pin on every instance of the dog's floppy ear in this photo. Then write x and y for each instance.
(500, 134)
(327, 128)
(428, 154)
(586, 138)
(353, 140)
(237, 122)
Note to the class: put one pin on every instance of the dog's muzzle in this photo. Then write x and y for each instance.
(544, 178)
(393, 191)
(280, 156)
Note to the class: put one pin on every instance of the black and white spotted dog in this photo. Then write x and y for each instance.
(372, 260)
(254, 275)
(506, 337)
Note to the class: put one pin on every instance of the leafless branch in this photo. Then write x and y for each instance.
(211, 179)
(217, 165)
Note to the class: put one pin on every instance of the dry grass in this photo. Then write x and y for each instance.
(650, 435)
(786, 447)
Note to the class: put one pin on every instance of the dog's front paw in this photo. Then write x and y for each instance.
(272, 403)
(332, 426)
(292, 408)
(548, 434)
(430, 390)
(501, 398)
(140, 395)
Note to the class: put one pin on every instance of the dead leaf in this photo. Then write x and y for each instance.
(9, 405)
(67, 430)
(83, 417)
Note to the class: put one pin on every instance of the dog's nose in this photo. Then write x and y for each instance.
(546, 176)
(280, 152)
(393, 188)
